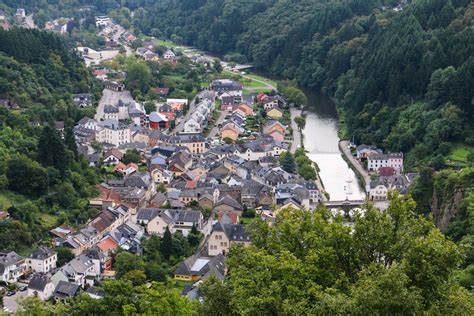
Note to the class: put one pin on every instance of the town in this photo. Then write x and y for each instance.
(200, 168)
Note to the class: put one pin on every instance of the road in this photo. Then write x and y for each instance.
(296, 143)
(179, 128)
(344, 147)
(215, 129)
(111, 97)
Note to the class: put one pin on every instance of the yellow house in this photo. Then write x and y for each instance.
(229, 131)
(275, 113)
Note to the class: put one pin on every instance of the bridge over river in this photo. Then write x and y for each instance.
(345, 205)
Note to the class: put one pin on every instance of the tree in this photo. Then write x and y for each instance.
(138, 76)
(137, 277)
(167, 244)
(288, 162)
(125, 262)
(217, 66)
(64, 255)
(194, 237)
(300, 122)
(313, 262)
(131, 155)
(51, 150)
(150, 107)
(26, 176)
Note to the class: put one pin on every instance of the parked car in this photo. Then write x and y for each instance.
(11, 293)
(23, 288)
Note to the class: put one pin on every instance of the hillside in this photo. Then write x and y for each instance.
(402, 79)
(43, 181)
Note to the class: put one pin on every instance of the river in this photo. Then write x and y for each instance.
(322, 143)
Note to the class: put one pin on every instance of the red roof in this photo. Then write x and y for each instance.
(107, 244)
(234, 217)
(386, 171)
(191, 184)
(162, 91)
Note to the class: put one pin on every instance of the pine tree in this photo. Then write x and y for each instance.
(167, 244)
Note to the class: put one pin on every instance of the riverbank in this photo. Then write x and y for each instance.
(362, 174)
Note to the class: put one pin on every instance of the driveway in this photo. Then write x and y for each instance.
(10, 303)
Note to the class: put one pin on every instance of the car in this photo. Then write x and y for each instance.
(23, 288)
(11, 293)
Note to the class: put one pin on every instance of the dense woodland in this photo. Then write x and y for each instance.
(43, 181)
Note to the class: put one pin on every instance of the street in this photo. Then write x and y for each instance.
(296, 143)
(179, 128)
(215, 129)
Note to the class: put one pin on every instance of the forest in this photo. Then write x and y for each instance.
(43, 179)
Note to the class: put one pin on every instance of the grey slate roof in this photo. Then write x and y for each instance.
(66, 289)
(42, 253)
(38, 282)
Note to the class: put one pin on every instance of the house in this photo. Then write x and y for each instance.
(114, 86)
(158, 121)
(196, 268)
(169, 55)
(224, 235)
(66, 290)
(82, 100)
(246, 109)
(275, 113)
(228, 204)
(230, 130)
(224, 85)
(41, 286)
(271, 102)
(12, 266)
(394, 160)
(42, 260)
(163, 91)
(156, 220)
(274, 126)
(379, 188)
(363, 151)
(112, 157)
(113, 132)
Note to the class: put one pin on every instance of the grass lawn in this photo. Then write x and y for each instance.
(179, 284)
(460, 152)
(165, 43)
(257, 77)
(174, 77)
(246, 220)
(48, 221)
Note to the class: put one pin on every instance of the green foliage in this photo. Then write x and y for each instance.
(287, 162)
(64, 256)
(313, 263)
(132, 155)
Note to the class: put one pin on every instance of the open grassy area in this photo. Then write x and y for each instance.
(165, 43)
(48, 221)
(179, 284)
(266, 80)
(8, 198)
(461, 152)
